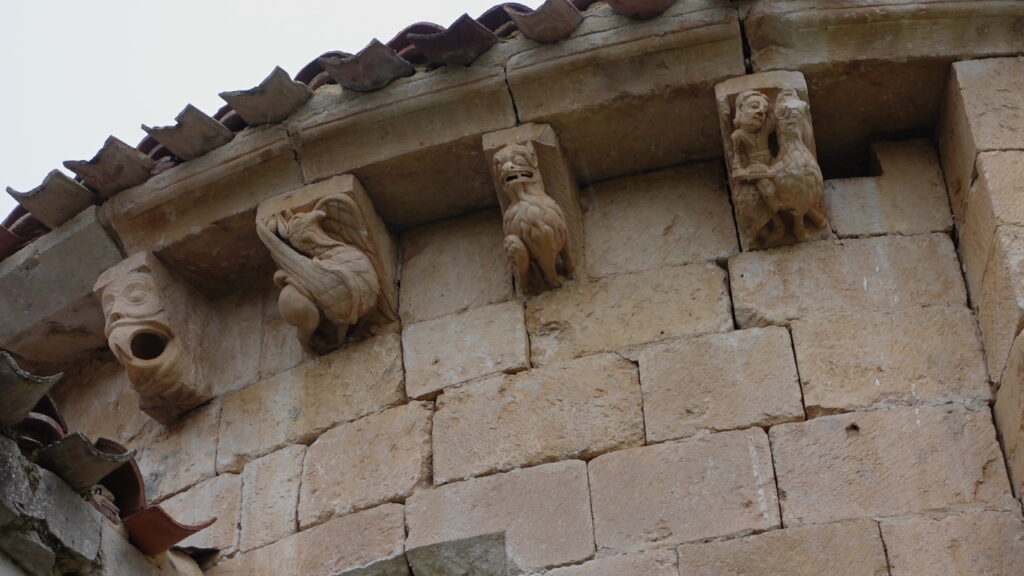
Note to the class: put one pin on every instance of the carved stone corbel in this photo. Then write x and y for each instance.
(776, 183)
(540, 206)
(336, 261)
(154, 326)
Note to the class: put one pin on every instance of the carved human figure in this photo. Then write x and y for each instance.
(138, 305)
(536, 234)
(752, 157)
(797, 177)
(326, 274)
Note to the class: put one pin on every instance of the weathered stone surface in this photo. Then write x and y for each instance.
(670, 302)
(7, 567)
(994, 201)
(50, 314)
(376, 459)
(656, 73)
(279, 348)
(460, 347)
(653, 563)
(990, 543)
(908, 197)
(485, 555)
(676, 216)
(452, 266)
(270, 497)
(916, 355)
(706, 487)
(1009, 416)
(174, 457)
(297, 405)
(719, 382)
(29, 551)
(888, 462)
(96, 399)
(365, 544)
(845, 549)
(232, 341)
(121, 558)
(885, 273)
(580, 408)
(220, 497)
(1001, 309)
(543, 511)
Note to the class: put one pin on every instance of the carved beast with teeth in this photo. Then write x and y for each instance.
(536, 234)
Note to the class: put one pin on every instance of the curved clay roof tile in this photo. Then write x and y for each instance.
(640, 9)
(462, 43)
(553, 21)
(405, 48)
(373, 68)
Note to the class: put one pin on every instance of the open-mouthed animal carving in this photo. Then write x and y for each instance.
(777, 186)
(153, 326)
(329, 270)
(536, 233)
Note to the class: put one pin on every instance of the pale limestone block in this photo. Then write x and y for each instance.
(380, 458)
(1001, 309)
(675, 216)
(280, 350)
(705, 487)
(989, 543)
(120, 557)
(299, 404)
(49, 312)
(911, 356)
(231, 350)
(908, 197)
(270, 497)
(884, 273)
(544, 512)
(220, 497)
(1009, 416)
(983, 111)
(576, 409)
(369, 543)
(453, 266)
(995, 200)
(97, 400)
(652, 563)
(613, 313)
(452, 349)
(851, 548)
(719, 382)
(887, 463)
(174, 457)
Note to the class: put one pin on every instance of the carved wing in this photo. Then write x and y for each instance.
(299, 270)
(345, 221)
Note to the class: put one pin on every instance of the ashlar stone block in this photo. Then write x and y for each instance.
(719, 382)
(676, 216)
(369, 543)
(705, 487)
(299, 404)
(911, 356)
(97, 400)
(627, 310)
(907, 197)
(173, 458)
(851, 548)
(459, 347)
(995, 200)
(575, 409)
(883, 273)
(380, 458)
(888, 463)
(544, 513)
(270, 497)
(990, 543)
(220, 497)
(485, 555)
(453, 265)
(1001, 310)
(1009, 416)
(652, 563)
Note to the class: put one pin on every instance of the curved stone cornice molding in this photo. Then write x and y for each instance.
(335, 260)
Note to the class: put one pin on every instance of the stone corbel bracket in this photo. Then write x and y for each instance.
(154, 326)
(775, 180)
(336, 261)
(540, 205)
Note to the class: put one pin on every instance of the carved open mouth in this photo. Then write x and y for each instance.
(148, 345)
(518, 175)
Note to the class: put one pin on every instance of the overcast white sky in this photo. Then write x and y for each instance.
(75, 71)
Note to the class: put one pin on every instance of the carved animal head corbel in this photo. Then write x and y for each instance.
(154, 326)
(335, 262)
(540, 206)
